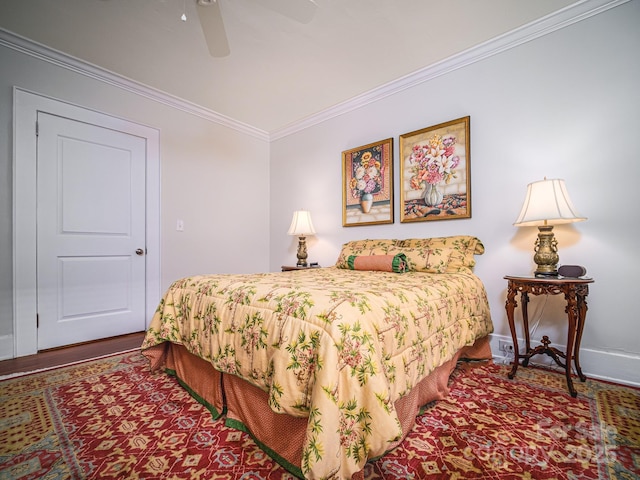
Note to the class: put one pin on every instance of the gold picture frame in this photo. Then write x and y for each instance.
(435, 172)
(367, 184)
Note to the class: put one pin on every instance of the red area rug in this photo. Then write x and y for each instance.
(111, 418)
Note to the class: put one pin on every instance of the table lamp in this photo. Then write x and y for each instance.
(547, 204)
(301, 226)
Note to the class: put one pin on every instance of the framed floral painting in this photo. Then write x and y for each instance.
(435, 174)
(367, 190)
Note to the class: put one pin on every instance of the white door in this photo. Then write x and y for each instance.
(90, 232)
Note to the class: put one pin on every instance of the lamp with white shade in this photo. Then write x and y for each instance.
(547, 204)
(301, 226)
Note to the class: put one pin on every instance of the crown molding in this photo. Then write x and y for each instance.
(565, 17)
(555, 21)
(63, 60)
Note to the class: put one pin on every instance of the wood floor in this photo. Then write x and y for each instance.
(75, 353)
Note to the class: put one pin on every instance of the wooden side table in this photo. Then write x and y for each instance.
(575, 292)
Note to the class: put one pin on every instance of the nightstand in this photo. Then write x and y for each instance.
(575, 292)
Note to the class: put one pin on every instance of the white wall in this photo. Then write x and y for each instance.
(566, 105)
(214, 178)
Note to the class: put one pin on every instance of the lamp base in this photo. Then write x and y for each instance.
(546, 256)
(545, 274)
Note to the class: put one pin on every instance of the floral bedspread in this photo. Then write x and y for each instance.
(337, 346)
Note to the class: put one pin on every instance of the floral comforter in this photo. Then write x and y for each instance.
(337, 346)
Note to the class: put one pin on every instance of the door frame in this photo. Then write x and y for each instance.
(26, 106)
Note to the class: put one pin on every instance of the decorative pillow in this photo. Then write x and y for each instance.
(381, 263)
(430, 255)
(461, 248)
(425, 260)
(362, 247)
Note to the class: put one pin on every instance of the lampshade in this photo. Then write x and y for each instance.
(301, 224)
(547, 203)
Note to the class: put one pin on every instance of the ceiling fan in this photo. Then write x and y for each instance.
(213, 27)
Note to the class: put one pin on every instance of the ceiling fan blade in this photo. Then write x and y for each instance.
(301, 11)
(213, 28)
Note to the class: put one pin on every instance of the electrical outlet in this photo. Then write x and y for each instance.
(504, 346)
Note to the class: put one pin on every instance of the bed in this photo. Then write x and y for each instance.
(341, 359)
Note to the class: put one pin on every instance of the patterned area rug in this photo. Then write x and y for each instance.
(111, 418)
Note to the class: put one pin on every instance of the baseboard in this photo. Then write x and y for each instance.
(598, 364)
(6, 347)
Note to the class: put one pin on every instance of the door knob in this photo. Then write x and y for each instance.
(139, 251)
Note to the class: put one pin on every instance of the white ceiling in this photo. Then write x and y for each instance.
(279, 71)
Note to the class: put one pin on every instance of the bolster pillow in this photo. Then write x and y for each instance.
(381, 263)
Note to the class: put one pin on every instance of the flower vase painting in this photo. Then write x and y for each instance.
(367, 192)
(435, 172)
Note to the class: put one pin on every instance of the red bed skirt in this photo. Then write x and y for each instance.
(246, 406)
